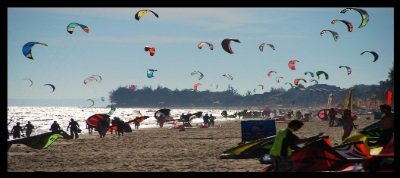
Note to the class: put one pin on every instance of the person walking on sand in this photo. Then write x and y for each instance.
(74, 126)
(387, 122)
(284, 144)
(137, 124)
(28, 129)
(16, 131)
(348, 124)
(120, 127)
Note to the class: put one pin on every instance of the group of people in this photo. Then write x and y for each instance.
(208, 120)
(18, 129)
(73, 126)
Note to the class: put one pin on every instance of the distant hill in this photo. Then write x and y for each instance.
(315, 95)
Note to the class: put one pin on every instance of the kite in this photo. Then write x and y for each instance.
(252, 149)
(201, 44)
(29, 80)
(270, 73)
(261, 47)
(162, 113)
(71, 27)
(291, 85)
(262, 86)
(27, 49)
(348, 69)
(292, 64)
(90, 101)
(315, 81)
(42, 141)
(278, 78)
(152, 50)
(52, 86)
(376, 56)
(296, 81)
(347, 23)
(363, 13)
(322, 72)
(272, 46)
(312, 74)
(150, 73)
(139, 14)
(334, 34)
(226, 44)
(197, 72)
(100, 78)
(196, 85)
(228, 76)
(138, 119)
(92, 78)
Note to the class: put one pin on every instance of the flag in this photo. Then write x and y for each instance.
(389, 97)
(329, 101)
(350, 100)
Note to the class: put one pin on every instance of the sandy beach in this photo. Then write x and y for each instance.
(154, 150)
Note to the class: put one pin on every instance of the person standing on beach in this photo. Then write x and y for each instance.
(120, 127)
(206, 120)
(28, 129)
(74, 126)
(16, 131)
(387, 122)
(348, 124)
(284, 144)
(212, 118)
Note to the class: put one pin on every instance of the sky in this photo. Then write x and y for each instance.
(114, 49)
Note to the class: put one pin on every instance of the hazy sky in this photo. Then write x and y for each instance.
(114, 48)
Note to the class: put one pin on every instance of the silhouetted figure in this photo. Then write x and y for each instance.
(120, 127)
(387, 122)
(16, 131)
(103, 125)
(55, 127)
(212, 118)
(74, 126)
(206, 120)
(28, 129)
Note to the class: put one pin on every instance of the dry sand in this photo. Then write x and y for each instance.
(154, 150)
